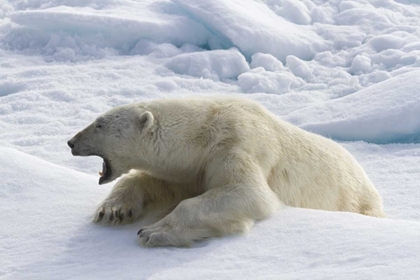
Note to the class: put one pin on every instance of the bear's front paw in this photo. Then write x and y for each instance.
(161, 234)
(116, 212)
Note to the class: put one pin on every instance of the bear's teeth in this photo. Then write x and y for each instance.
(103, 169)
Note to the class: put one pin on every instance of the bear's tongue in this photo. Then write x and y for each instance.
(102, 174)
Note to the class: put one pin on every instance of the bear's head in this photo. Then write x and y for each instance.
(121, 137)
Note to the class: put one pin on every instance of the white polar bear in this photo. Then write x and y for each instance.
(219, 164)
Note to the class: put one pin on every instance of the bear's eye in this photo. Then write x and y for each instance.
(98, 126)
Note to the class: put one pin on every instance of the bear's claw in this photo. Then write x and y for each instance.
(100, 216)
(118, 214)
(109, 214)
(162, 234)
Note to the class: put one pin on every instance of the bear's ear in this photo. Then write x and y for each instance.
(146, 121)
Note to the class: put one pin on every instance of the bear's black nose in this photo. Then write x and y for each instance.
(71, 145)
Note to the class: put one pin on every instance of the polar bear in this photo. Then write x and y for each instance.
(217, 164)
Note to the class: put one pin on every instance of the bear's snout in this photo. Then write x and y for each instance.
(71, 144)
(77, 147)
(80, 144)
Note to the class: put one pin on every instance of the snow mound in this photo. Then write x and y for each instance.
(384, 42)
(360, 64)
(268, 75)
(294, 11)
(386, 112)
(340, 47)
(253, 27)
(77, 30)
(77, 33)
(216, 65)
(259, 80)
(267, 61)
(298, 67)
(147, 47)
(49, 234)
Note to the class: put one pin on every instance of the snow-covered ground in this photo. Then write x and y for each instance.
(348, 70)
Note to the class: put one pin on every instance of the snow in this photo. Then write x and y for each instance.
(259, 80)
(253, 27)
(298, 67)
(360, 64)
(266, 61)
(348, 70)
(217, 64)
(54, 238)
(383, 113)
(119, 30)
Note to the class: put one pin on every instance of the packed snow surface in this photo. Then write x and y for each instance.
(348, 70)
(54, 238)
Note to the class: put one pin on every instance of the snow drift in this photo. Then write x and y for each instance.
(387, 112)
(49, 235)
(253, 27)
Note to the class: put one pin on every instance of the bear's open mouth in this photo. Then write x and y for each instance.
(106, 172)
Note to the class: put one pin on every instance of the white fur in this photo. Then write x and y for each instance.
(220, 164)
